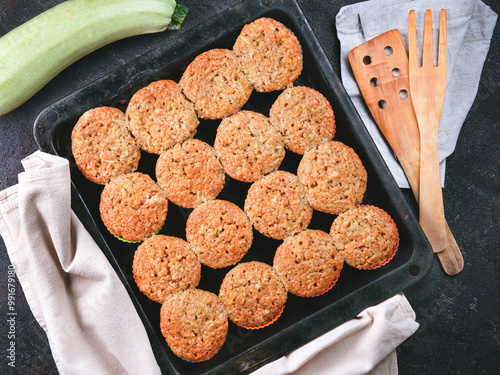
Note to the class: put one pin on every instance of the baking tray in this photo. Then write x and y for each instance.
(303, 319)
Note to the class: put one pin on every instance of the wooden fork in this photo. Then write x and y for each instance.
(428, 88)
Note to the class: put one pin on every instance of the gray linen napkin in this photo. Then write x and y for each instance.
(470, 28)
(74, 293)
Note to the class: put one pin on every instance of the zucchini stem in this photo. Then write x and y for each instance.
(178, 17)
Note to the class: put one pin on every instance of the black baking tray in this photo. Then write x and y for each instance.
(303, 319)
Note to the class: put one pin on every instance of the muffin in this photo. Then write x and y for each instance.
(190, 173)
(164, 265)
(214, 82)
(334, 177)
(102, 145)
(248, 146)
(277, 205)
(159, 116)
(365, 236)
(133, 207)
(304, 117)
(308, 263)
(270, 54)
(252, 294)
(219, 232)
(194, 324)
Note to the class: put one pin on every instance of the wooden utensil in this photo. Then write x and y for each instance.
(380, 67)
(428, 88)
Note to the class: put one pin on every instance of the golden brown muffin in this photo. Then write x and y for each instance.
(159, 116)
(219, 232)
(277, 205)
(102, 145)
(215, 84)
(334, 177)
(248, 146)
(270, 54)
(308, 263)
(365, 236)
(194, 323)
(190, 173)
(304, 117)
(133, 207)
(164, 265)
(252, 294)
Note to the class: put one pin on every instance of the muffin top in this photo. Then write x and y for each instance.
(304, 117)
(215, 84)
(270, 54)
(219, 232)
(334, 177)
(163, 265)
(102, 145)
(252, 295)
(308, 263)
(365, 236)
(133, 207)
(194, 323)
(190, 173)
(277, 205)
(248, 146)
(159, 116)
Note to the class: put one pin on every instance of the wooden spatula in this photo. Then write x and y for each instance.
(380, 67)
(428, 89)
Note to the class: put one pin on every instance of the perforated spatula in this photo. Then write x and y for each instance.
(380, 67)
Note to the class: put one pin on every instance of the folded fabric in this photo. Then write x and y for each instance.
(364, 345)
(75, 295)
(470, 28)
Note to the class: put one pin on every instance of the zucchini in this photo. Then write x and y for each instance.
(35, 52)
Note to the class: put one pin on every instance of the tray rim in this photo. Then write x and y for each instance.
(45, 127)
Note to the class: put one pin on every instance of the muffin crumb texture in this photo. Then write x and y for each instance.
(163, 265)
(219, 232)
(308, 263)
(365, 236)
(159, 116)
(102, 146)
(270, 54)
(215, 84)
(333, 176)
(190, 173)
(304, 117)
(248, 146)
(133, 207)
(277, 205)
(253, 295)
(194, 324)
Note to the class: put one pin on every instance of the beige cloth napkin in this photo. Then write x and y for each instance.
(90, 321)
(74, 293)
(364, 345)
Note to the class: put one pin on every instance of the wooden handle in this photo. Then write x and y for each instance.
(431, 207)
(451, 258)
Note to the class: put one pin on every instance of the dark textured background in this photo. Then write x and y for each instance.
(459, 322)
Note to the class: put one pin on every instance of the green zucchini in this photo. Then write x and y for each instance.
(35, 52)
